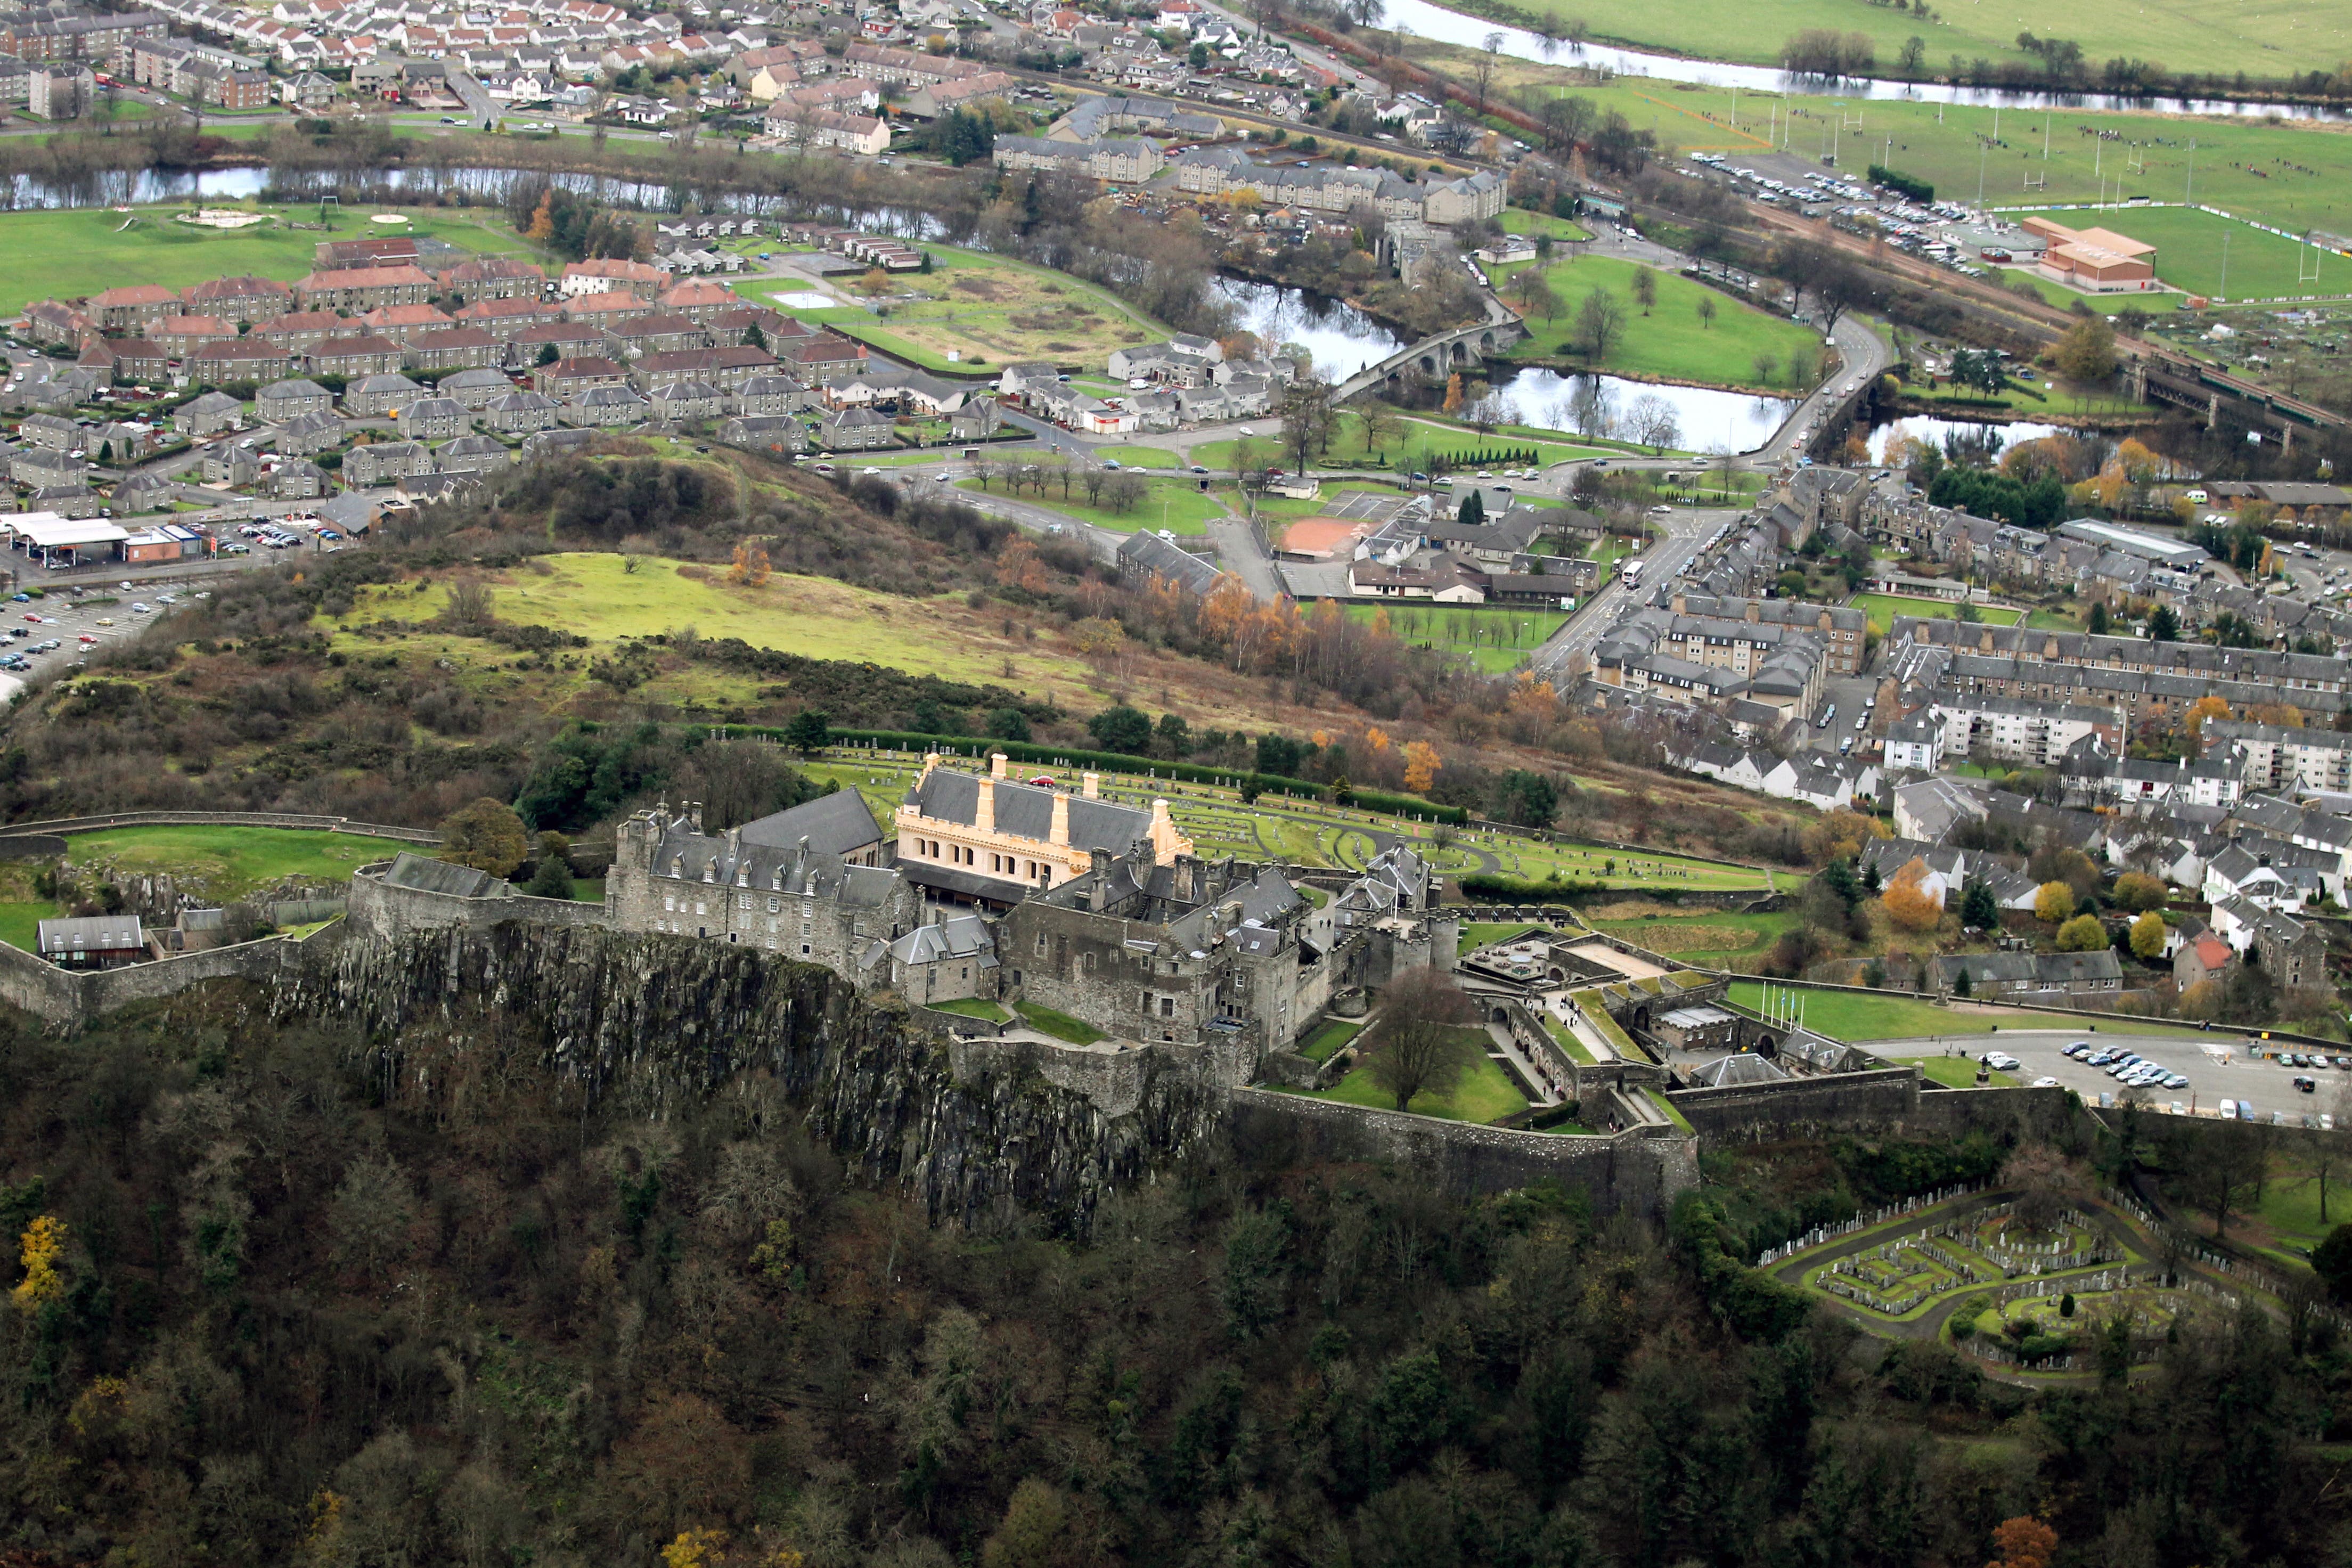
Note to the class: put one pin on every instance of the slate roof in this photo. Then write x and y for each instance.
(426, 875)
(1026, 811)
(836, 824)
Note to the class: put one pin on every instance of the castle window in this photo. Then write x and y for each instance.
(805, 950)
(1040, 947)
(774, 905)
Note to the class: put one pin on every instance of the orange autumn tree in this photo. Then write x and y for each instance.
(2023, 1543)
(1421, 765)
(1910, 901)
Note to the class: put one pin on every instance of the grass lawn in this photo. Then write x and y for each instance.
(1884, 607)
(1619, 868)
(1671, 341)
(1177, 505)
(2290, 1206)
(20, 921)
(1061, 1025)
(226, 862)
(2066, 299)
(1954, 1072)
(1483, 1094)
(1861, 1019)
(2051, 621)
(1420, 439)
(1712, 939)
(66, 253)
(593, 596)
(1495, 640)
(989, 311)
(1139, 457)
(1519, 220)
(1326, 1039)
(1476, 934)
(970, 1007)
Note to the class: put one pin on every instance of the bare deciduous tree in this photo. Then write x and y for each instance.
(1421, 1044)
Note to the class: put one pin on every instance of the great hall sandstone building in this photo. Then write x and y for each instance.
(991, 840)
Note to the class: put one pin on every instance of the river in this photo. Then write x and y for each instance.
(1342, 340)
(1424, 20)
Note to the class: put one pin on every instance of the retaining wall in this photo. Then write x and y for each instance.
(1625, 1172)
(219, 819)
(383, 911)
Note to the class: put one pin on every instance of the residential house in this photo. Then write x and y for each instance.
(374, 396)
(434, 419)
(283, 400)
(608, 404)
(855, 430)
(382, 462)
(307, 433)
(359, 354)
(209, 415)
(520, 412)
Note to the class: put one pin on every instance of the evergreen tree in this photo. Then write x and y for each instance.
(1473, 511)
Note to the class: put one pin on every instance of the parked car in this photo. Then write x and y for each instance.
(1999, 1061)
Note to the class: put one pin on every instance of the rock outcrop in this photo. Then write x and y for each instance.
(649, 1024)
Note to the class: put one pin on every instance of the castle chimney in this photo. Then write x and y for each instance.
(985, 815)
(695, 814)
(996, 764)
(1090, 786)
(1060, 831)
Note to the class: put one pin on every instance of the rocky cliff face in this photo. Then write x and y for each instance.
(648, 1025)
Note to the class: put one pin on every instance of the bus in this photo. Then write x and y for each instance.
(1629, 572)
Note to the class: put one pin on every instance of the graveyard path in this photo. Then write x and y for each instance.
(1929, 1325)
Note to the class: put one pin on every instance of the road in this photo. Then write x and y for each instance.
(2268, 1085)
(1685, 528)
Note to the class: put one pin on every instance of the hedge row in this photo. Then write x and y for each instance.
(1118, 762)
(1917, 189)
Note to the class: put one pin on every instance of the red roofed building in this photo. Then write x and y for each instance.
(130, 308)
(365, 287)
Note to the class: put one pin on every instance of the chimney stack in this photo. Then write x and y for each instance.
(1060, 832)
(996, 764)
(1090, 786)
(984, 815)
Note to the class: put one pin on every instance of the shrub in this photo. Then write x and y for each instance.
(2083, 934)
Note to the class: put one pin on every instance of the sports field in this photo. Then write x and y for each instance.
(986, 311)
(2253, 168)
(2269, 39)
(1883, 608)
(1671, 339)
(1844, 1015)
(2188, 254)
(70, 253)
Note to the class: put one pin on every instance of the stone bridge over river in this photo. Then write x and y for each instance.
(1439, 354)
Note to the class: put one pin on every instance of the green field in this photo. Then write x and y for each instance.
(1326, 1039)
(1859, 1019)
(2247, 167)
(222, 862)
(67, 253)
(1712, 940)
(20, 921)
(1418, 439)
(2265, 41)
(1495, 640)
(1884, 607)
(985, 309)
(1139, 457)
(1519, 220)
(2290, 1205)
(2188, 243)
(1485, 1093)
(1061, 1025)
(1180, 506)
(1670, 340)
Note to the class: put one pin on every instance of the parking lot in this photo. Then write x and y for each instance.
(2219, 1066)
(59, 630)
